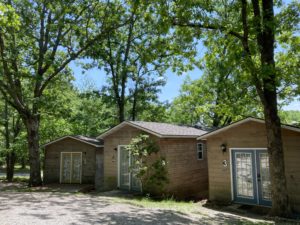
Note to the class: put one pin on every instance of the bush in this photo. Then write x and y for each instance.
(151, 171)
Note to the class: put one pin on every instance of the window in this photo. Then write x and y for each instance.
(200, 150)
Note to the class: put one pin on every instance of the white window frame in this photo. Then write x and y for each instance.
(202, 150)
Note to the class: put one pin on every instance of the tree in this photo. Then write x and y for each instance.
(152, 173)
(290, 117)
(10, 128)
(38, 39)
(156, 112)
(91, 114)
(221, 95)
(144, 92)
(254, 26)
(137, 55)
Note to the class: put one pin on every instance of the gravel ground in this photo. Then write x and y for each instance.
(63, 208)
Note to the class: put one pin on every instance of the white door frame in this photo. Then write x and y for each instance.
(119, 167)
(231, 172)
(60, 169)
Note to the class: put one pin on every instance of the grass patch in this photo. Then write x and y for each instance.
(16, 179)
(168, 204)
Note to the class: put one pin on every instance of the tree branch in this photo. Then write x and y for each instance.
(208, 27)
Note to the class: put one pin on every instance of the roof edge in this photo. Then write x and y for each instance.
(119, 126)
(204, 136)
(69, 136)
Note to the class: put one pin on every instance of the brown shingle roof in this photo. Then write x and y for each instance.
(159, 129)
(167, 129)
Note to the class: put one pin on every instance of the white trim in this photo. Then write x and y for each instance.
(119, 126)
(231, 174)
(118, 165)
(68, 136)
(60, 169)
(203, 137)
(130, 173)
(255, 176)
(231, 165)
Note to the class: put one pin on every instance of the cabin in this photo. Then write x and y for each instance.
(105, 161)
(73, 160)
(238, 163)
(185, 157)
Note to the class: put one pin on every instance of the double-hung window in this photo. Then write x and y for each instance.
(200, 151)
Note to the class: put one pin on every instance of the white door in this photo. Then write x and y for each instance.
(126, 171)
(71, 166)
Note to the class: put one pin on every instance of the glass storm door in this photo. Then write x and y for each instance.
(71, 165)
(76, 168)
(251, 179)
(124, 173)
(127, 174)
(135, 182)
(65, 176)
(263, 177)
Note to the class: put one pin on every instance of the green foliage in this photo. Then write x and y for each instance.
(156, 112)
(290, 117)
(69, 111)
(8, 18)
(91, 114)
(136, 56)
(151, 170)
(212, 102)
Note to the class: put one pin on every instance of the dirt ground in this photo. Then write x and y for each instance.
(63, 205)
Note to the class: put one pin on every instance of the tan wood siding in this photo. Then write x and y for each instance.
(250, 135)
(187, 175)
(53, 154)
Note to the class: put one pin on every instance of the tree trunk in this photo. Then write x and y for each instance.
(10, 166)
(268, 95)
(10, 155)
(280, 200)
(23, 163)
(121, 111)
(134, 103)
(32, 127)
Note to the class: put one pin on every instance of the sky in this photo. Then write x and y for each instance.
(96, 77)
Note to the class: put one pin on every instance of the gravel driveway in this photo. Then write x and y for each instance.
(63, 208)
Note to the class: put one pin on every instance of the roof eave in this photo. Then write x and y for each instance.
(119, 126)
(205, 136)
(180, 136)
(68, 136)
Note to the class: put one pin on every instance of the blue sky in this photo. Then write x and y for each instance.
(97, 78)
(169, 91)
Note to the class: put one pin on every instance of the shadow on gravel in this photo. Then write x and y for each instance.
(48, 208)
(158, 217)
